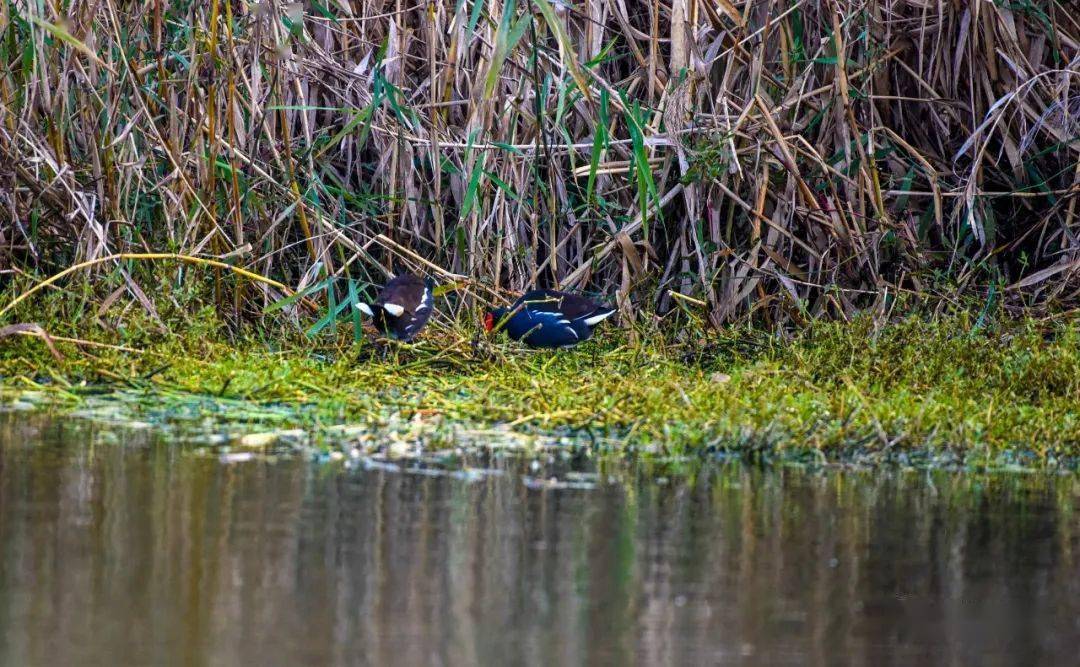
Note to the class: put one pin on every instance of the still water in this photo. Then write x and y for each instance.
(129, 549)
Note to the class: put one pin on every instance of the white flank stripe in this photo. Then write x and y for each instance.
(393, 309)
(597, 319)
(365, 309)
(425, 301)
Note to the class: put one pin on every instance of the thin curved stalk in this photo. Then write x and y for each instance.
(189, 259)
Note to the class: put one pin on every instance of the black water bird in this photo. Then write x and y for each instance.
(403, 307)
(548, 318)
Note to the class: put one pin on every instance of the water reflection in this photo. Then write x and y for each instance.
(145, 552)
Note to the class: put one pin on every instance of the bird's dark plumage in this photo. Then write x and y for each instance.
(403, 306)
(549, 318)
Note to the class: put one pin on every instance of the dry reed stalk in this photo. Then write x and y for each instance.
(824, 151)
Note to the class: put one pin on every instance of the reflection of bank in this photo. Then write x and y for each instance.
(142, 547)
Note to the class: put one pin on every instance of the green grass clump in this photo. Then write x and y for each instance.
(916, 390)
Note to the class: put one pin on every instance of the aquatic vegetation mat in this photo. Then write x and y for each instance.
(913, 392)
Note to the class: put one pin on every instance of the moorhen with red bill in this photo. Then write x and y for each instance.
(548, 318)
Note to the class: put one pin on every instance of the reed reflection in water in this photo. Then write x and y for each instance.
(145, 551)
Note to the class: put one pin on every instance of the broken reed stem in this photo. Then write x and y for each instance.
(81, 342)
(688, 299)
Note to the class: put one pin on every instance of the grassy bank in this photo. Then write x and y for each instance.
(729, 175)
(948, 391)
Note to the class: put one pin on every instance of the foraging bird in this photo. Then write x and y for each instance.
(548, 318)
(403, 307)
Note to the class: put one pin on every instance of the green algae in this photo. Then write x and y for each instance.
(916, 391)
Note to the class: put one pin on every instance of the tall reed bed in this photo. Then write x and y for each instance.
(772, 160)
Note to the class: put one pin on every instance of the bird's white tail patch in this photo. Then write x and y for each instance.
(393, 309)
(365, 309)
(597, 319)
